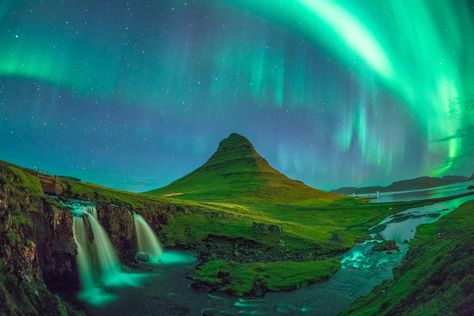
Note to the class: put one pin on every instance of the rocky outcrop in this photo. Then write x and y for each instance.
(37, 248)
(386, 245)
(117, 220)
(244, 250)
(57, 249)
(50, 185)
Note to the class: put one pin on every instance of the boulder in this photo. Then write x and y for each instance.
(386, 245)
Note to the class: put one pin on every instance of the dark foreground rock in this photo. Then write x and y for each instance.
(38, 253)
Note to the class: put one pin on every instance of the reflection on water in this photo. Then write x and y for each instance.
(168, 289)
(423, 194)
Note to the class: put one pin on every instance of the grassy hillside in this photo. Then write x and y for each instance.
(253, 234)
(256, 278)
(437, 275)
(237, 172)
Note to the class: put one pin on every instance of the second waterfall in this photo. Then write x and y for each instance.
(149, 247)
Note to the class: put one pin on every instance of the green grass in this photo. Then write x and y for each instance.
(318, 226)
(237, 187)
(236, 172)
(241, 279)
(28, 178)
(323, 227)
(326, 228)
(436, 276)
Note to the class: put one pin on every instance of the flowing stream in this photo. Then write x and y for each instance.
(167, 289)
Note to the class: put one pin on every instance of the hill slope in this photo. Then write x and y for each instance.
(436, 277)
(236, 171)
(404, 185)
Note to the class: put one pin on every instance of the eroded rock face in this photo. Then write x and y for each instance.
(57, 251)
(243, 250)
(117, 220)
(37, 248)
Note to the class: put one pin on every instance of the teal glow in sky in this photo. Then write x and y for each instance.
(135, 94)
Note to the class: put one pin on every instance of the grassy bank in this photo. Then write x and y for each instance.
(241, 279)
(436, 276)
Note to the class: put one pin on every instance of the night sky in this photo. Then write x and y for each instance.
(135, 94)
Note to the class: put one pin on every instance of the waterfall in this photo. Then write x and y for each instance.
(83, 258)
(92, 210)
(146, 239)
(109, 265)
(90, 292)
(99, 267)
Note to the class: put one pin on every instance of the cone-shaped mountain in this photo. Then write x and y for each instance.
(237, 172)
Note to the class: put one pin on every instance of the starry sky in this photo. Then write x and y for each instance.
(134, 94)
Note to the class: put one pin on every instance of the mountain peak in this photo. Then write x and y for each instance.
(235, 141)
(235, 147)
(234, 137)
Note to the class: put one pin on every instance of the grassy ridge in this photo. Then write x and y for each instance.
(437, 275)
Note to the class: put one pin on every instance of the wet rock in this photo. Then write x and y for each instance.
(142, 257)
(259, 287)
(386, 245)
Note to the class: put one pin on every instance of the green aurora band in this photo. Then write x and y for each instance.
(427, 65)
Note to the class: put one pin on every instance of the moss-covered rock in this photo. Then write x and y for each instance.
(37, 247)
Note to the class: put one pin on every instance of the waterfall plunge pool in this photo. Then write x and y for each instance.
(100, 272)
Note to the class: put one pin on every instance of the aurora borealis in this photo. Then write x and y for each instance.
(135, 94)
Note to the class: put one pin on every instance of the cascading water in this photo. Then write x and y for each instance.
(147, 241)
(84, 265)
(90, 289)
(109, 265)
(98, 267)
(92, 210)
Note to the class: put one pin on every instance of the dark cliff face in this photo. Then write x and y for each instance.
(38, 251)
